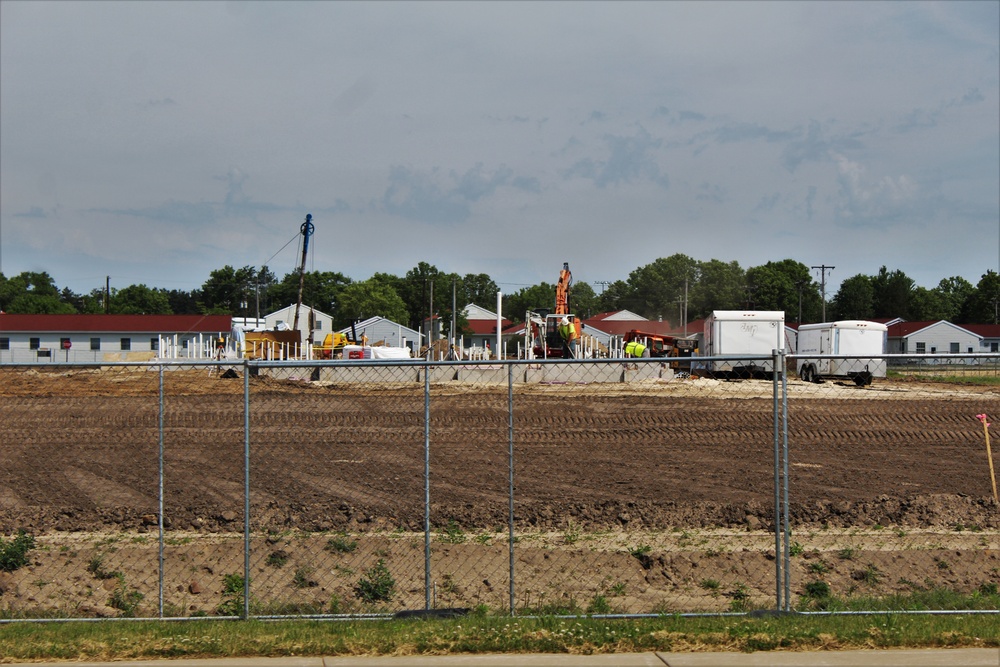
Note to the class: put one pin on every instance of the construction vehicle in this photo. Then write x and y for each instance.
(334, 343)
(662, 345)
(542, 325)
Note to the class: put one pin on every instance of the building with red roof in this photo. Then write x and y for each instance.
(98, 338)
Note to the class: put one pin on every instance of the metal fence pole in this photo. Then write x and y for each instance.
(778, 559)
(784, 452)
(510, 480)
(246, 489)
(160, 501)
(427, 485)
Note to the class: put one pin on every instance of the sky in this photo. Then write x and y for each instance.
(154, 142)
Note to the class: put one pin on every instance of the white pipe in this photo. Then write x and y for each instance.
(499, 320)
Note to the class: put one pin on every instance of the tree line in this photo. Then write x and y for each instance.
(671, 288)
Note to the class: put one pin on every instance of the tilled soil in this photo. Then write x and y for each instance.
(82, 452)
(652, 495)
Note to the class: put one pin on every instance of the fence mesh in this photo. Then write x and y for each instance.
(582, 487)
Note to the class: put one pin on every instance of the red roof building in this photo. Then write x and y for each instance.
(96, 338)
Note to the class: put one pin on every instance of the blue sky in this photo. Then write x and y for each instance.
(153, 142)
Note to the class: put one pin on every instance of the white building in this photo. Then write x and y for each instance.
(389, 333)
(105, 338)
(941, 337)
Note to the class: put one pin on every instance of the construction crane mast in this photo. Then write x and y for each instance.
(307, 230)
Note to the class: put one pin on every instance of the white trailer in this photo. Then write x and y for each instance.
(857, 340)
(743, 332)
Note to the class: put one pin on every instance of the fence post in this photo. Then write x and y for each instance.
(778, 553)
(246, 489)
(427, 483)
(784, 452)
(160, 500)
(510, 480)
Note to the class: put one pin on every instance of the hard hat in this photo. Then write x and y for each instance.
(565, 320)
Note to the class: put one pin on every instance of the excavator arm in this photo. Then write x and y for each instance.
(562, 290)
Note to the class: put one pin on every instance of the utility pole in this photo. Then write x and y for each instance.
(801, 285)
(822, 284)
(602, 283)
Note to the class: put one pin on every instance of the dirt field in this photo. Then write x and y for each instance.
(682, 468)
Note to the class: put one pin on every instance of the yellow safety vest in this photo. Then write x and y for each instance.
(634, 349)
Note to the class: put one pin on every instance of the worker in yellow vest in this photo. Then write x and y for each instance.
(568, 333)
(636, 349)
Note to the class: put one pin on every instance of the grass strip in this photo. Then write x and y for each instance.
(114, 640)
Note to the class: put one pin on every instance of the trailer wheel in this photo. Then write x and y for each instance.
(806, 373)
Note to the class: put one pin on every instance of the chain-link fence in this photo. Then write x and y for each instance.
(356, 488)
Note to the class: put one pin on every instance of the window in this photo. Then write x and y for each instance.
(953, 348)
(185, 343)
(4, 343)
(933, 349)
(126, 343)
(34, 343)
(921, 348)
(95, 343)
(994, 347)
(154, 344)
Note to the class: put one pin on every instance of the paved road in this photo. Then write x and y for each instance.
(964, 657)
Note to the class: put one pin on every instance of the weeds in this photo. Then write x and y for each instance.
(376, 585)
(303, 577)
(452, 533)
(14, 553)
(341, 544)
(277, 558)
(124, 598)
(232, 595)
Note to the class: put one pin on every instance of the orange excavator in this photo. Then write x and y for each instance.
(542, 328)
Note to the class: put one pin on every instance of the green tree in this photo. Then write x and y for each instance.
(983, 305)
(478, 288)
(183, 302)
(892, 293)
(370, 298)
(516, 305)
(225, 291)
(855, 300)
(719, 286)
(657, 289)
(955, 293)
(781, 285)
(32, 293)
(420, 284)
(140, 300)
(615, 296)
(583, 301)
(320, 289)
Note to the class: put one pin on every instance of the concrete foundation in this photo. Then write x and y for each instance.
(370, 374)
(482, 374)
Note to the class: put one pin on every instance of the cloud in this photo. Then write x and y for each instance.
(34, 212)
(437, 198)
(628, 160)
(864, 202)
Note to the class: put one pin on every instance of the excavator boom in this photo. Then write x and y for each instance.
(562, 290)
